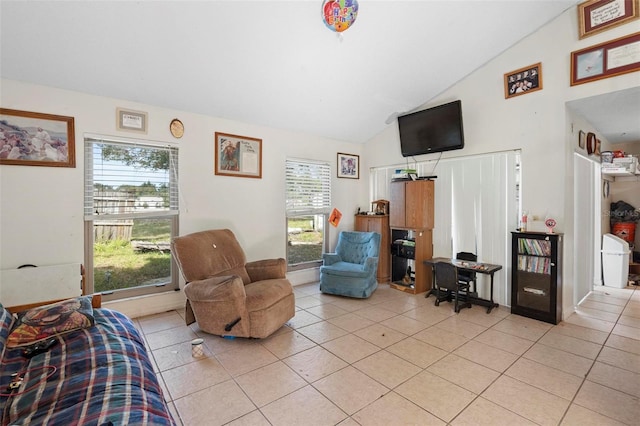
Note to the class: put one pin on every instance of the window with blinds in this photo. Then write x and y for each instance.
(308, 198)
(131, 214)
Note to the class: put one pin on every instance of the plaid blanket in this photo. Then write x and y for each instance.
(102, 376)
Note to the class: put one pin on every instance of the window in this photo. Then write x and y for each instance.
(131, 214)
(308, 194)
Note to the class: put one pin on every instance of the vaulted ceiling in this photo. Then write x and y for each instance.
(272, 63)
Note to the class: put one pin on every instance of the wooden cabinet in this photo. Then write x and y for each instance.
(536, 276)
(411, 211)
(379, 224)
(411, 204)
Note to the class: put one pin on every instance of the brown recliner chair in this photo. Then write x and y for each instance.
(226, 295)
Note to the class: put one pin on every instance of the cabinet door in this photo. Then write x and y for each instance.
(419, 204)
(396, 205)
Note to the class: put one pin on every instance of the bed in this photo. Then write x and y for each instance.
(97, 374)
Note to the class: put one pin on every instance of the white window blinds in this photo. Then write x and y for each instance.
(308, 187)
(127, 179)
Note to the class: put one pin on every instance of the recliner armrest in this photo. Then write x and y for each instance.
(228, 287)
(267, 269)
(331, 258)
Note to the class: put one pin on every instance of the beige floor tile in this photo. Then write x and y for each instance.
(254, 418)
(286, 344)
(176, 355)
(626, 331)
(392, 409)
(632, 311)
(548, 379)
(527, 401)
(464, 373)
(193, 377)
(478, 315)
(458, 326)
(561, 360)
(307, 302)
(525, 330)
(441, 338)
(609, 402)
(218, 344)
(350, 348)
(349, 304)
(589, 322)
(158, 322)
(624, 343)
(380, 335)
(174, 413)
(607, 297)
(350, 389)
(597, 313)
(321, 332)
(387, 368)
(401, 305)
(269, 383)
(615, 378)
(436, 395)
(580, 416)
(507, 342)
(428, 315)
(375, 313)
(404, 324)
(571, 345)
(488, 356)
(240, 361)
(482, 412)
(620, 359)
(588, 334)
(327, 310)
(305, 406)
(215, 405)
(521, 319)
(604, 307)
(307, 289)
(351, 322)
(314, 363)
(169, 337)
(629, 321)
(417, 352)
(303, 318)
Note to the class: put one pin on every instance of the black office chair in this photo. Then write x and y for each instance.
(447, 279)
(467, 277)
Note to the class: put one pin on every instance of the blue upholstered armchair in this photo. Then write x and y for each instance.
(351, 270)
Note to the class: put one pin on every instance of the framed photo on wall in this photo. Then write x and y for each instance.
(604, 60)
(239, 156)
(131, 121)
(595, 16)
(348, 166)
(36, 139)
(522, 81)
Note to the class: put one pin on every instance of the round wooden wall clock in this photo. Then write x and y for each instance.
(177, 128)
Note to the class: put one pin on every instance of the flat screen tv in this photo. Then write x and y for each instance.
(434, 129)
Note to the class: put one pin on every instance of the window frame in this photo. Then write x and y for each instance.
(90, 217)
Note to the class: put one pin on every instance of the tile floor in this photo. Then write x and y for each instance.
(397, 359)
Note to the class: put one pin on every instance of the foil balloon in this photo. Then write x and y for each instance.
(338, 15)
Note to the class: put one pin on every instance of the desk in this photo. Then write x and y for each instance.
(465, 265)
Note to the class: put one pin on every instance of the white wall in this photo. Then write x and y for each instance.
(41, 219)
(535, 122)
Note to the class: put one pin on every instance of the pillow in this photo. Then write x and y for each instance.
(44, 322)
(6, 320)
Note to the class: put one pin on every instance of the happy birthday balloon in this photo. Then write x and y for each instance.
(338, 15)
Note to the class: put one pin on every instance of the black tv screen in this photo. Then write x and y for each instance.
(435, 129)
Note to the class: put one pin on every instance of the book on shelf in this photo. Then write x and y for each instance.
(534, 247)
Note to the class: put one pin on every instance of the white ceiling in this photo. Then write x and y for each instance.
(272, 63)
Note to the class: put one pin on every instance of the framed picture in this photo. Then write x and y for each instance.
(348, 166)
(239, 156)
(523, 80)
(36, 139)
(131, 121)
(582, 137)
(595, 16)
(604, 60)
